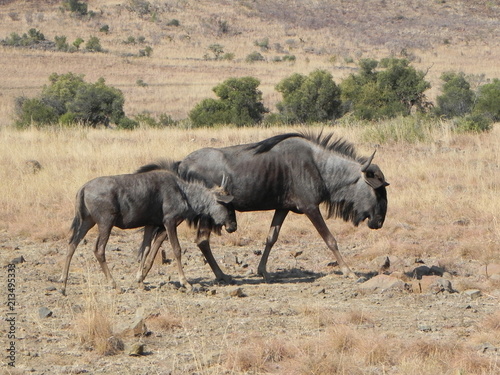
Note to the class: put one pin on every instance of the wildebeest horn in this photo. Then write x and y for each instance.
(224, 182)
(368, 162)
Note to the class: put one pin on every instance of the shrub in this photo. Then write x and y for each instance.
(34, 112)
(93, 44)
(217, 50)
(240, 103)
(127, 123)
(173, 22)
(488, 100)
(61, 43)
(163, 120)
(33, 36)
(254, 56)
(104, 29)
(146, 51)
(69, 99)
(75, 6)
(473, 123)
(78, 42)
(309, 99)
(386, 93)
(457, 98)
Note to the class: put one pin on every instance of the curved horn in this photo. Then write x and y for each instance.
(224, 182)
(368, 162)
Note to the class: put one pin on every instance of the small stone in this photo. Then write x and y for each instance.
(44, 312)
(136, 350)
(238, 292)
(473, 293)
(382, 283)
(18, 260)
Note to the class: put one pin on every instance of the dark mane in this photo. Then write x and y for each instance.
(337, 145)
(165, 164)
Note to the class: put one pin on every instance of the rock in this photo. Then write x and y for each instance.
(420, 271)
(44, 312)
(136, 350)
(138, 327)
(491, 269)
(432, 284)
(382, 283)
(18, 260)
(473, 293)
(238, 292)
(32, 166)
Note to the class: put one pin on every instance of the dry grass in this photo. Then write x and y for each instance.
(94, 326)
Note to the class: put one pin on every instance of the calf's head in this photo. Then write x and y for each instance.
(223, 212)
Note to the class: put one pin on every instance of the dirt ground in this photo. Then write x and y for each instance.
(199, 331)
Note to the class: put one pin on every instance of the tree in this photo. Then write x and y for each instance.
(386, 93)
(309, 99)
(457, 98)
(239, 103)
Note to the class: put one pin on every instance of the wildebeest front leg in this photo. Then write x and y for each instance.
(203, 242)
(146, 243)
(319, 223)
(272, 237)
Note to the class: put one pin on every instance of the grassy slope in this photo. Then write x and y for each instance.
(439, 36)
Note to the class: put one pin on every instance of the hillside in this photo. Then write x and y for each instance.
(436, 36)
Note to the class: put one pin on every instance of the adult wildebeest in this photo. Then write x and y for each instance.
(157, 200)
(292, 172)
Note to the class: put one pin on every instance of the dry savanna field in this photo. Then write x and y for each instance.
(435, 309)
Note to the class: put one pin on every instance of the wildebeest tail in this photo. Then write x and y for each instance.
(77, 220)
(163, 164)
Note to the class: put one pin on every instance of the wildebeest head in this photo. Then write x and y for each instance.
(372, 202)
(223, 213)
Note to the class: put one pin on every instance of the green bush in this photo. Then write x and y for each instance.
(78, 42)
(163, 120)
(457, 98)
(386, 93)
(93, 44)
(75, 6)
(488, 101)
(33, 36)
(473, 123)
(146, 52)
(307, 99)
(70, 99)
(61, 43)
(127, 123)
(254, 57)
(34, 112)
(239, 103)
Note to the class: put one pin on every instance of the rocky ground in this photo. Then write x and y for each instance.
(215, 329)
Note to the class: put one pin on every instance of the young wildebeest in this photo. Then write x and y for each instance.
(293, 172)
(155, 199)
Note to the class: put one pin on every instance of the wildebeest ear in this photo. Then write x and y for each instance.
(374, 177)
(224, 198)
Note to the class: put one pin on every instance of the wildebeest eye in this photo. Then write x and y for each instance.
(370, 174)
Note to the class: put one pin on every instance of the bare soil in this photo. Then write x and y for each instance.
(201, 329)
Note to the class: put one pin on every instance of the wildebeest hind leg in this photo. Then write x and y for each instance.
(176, 247)
(331, 242)
(79, 231)
(272, 237)
(100, 251)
